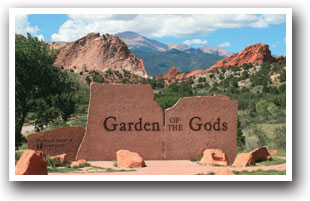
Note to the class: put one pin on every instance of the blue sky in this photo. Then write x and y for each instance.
(230, 32)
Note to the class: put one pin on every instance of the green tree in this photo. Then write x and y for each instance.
(240, 137)
(40, 87)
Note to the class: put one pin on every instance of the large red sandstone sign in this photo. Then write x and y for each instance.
(194, 124)
(122, 117)
(64, 140)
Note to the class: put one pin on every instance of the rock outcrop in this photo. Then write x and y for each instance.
(214, 157)
(100, 53)
(31, 163)
(255, 54)
(172, 75)
(127, 159)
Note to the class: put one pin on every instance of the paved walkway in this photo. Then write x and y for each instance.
(168, 167)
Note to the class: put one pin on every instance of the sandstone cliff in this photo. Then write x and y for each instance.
(256, 54)
(100, 53)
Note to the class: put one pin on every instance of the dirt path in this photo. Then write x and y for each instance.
(28, 128)
(171, 167)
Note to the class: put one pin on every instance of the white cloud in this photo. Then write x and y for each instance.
(226, 44)
(40, 37)
(22, 26)
(195, 42)
(152, 25)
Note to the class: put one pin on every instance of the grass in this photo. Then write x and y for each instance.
(24, 146)
(261, 172)
(209, 173)
(81, 121)
(274, 161)
(67, 169)
(198, 158)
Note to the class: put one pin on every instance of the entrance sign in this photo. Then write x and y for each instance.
(122, 116)
(194, 124)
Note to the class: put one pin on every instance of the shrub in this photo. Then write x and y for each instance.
(202, 79)
(280, 137)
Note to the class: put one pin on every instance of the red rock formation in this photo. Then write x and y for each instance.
(214, 157)
(243, 160)
(279, 58)
(129, 159)
(20, 36)
(255, 54)
(95, 52)
(31, 163)
(172, 75)
(78, 163)
(261, 154)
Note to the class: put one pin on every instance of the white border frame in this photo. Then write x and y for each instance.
(15, 11)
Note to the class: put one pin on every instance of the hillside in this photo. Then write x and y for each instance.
(160, 62)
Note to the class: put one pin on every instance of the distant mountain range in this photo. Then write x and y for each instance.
(159, 57)
(139, 42)
(159, 62)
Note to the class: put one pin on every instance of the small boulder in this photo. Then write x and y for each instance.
(243, 160)
(214, 157)
(31, 163)
(60, 159)
(78, 163)
(224, 171)
(129, 159)
(275, 151)
(260, 154)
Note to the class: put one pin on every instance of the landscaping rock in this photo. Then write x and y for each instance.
(60, 159)
(129, 159)
(31, 163)
(214, 157)
(78, 163)
(261, 154)
(243, 160)
(224, 171)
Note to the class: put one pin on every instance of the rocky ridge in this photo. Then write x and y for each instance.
(100, 53)
(255, 54)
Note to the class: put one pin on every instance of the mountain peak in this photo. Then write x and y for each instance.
(127, 35)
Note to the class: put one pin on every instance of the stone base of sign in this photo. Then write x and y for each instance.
(122, 116)
(65, 140)
(194, 124)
